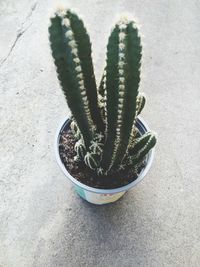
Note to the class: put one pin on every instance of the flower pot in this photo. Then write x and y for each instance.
(103, 196)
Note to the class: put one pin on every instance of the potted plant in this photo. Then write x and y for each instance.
(104, 148)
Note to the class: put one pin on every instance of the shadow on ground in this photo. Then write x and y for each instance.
(89, 234)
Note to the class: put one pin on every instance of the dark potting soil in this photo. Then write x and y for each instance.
(84, 174)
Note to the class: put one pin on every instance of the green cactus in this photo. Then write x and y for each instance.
(141, 100)
(71, 50)
(103, 118)
(141, 147)
(128, 58)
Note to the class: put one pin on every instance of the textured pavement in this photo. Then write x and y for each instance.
(43, 223)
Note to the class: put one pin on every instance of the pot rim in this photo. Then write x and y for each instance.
(144, 171)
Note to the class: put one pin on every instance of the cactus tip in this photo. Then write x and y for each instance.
(155, 134)
(61, 10)
(143, 94)
(123, 20)
(51, 14)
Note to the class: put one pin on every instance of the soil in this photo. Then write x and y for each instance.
(84, 174)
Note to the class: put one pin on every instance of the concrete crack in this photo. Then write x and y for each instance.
(30, 14)
(21, 31)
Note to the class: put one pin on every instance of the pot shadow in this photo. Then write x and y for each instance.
(103, 220)
(91, 231)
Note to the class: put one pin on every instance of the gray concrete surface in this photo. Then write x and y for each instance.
(42, 221)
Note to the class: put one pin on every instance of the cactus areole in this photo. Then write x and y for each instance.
(103, 118)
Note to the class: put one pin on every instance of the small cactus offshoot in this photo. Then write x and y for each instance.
(103, 117)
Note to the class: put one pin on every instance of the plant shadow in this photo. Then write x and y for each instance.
(90, 232)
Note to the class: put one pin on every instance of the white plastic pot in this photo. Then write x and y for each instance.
(103, 196)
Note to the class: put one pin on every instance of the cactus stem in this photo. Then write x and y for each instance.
(78, 69)
(122, 36)
(69, 35)
(80, 76)
(72, 43)
(121, 72)
(77, 60)
(121, 63)
(121, 46)
(81, 82)
(75, 51)
(121, 55)
(121, 87)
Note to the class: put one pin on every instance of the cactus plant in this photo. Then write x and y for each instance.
(104, 117)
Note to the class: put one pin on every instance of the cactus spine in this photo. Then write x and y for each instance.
(103, 119)
(71, 50)
(128, 57)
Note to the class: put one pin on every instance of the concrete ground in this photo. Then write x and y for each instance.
(43, 222)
